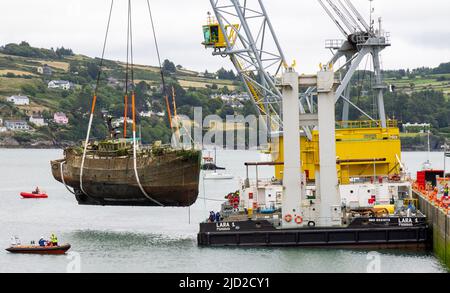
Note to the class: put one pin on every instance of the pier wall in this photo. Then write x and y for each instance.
(439, 222)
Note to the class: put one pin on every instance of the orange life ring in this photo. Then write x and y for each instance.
(288, 218)
(298, 220)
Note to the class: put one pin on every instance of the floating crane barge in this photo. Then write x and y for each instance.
(305, 217)
(379, 232)
(334, 185)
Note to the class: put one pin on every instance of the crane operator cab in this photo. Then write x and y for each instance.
(211, 34)
(214, 37)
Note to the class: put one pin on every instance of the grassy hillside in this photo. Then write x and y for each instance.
(421, 95)
(16, 71)
(21, 72)
(409, 85)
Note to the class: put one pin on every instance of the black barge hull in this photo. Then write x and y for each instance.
(249, 235)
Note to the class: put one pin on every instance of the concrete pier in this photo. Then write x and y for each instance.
(439, 222)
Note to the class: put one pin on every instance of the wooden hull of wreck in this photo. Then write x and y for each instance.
(169, 179)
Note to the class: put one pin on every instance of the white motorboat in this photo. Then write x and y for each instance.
(218, 176)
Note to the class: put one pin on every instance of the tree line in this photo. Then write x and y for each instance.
(25, 50)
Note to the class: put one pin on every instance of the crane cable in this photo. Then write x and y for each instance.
(164, 90)
(129, 38)
(61, 171)
(133, 103)
(163, 79)
(94, 100)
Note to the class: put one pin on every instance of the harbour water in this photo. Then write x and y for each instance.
(154, 240)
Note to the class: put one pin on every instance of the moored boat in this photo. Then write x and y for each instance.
(218, 176)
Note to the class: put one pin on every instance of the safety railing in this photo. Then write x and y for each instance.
(334, 43)
(365, 124)
(383, 38)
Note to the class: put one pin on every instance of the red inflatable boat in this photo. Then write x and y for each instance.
(33, 195)
(39, 249)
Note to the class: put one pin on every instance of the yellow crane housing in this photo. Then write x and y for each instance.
(363, 150)
(215, 38)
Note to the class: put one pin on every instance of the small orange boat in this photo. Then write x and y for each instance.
(33, 249)
(33, 195)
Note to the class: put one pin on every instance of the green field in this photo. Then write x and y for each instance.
(430, 82)
(13, 86)
(21, 66)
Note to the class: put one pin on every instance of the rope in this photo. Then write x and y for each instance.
(125, 122)
(211, 199)
(157, 48)
(104, 47)
(131, 47)
(62, 177)
(94, 100)
(137, 175)
(133, 103)
(85, 148)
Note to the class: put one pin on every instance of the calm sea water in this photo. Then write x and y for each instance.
(123, 239)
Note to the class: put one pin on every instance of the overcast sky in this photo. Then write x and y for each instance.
(420, 30)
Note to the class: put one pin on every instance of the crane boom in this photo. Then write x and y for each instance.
(341, 16)
(358, 15)
(330, 14)
(246, 35)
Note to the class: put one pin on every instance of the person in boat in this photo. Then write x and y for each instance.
(412, 208)
(217, 217)
(42, 241)
(230, 198)
(236, 201)
(37, 190)
(212, 217)
(54, 240)
(15, 241)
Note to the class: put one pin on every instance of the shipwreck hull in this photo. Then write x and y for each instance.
(170, 179)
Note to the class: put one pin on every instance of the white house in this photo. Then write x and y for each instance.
(19, 100)
(149, 114)
(60, 84)
(421, 125)
(117, 122)
(17, 125)
(38, 121)
(114, 82)
(2, 128)
(416, 127)
(146, 114)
